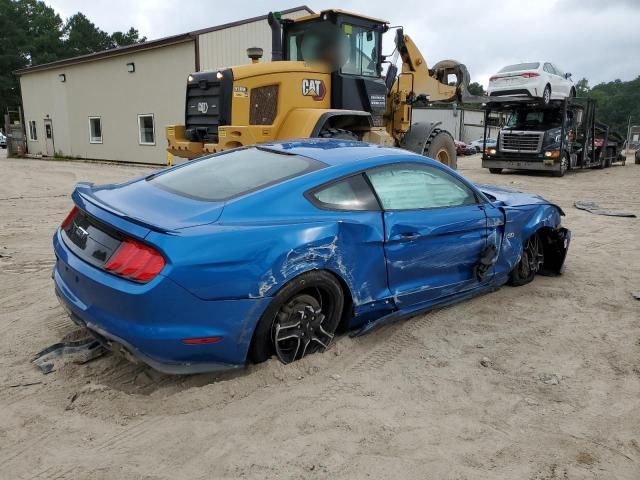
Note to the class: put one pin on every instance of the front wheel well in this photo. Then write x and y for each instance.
(553, 250)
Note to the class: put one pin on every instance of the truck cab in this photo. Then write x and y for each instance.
(552, 137)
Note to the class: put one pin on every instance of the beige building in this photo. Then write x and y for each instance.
(114, 105)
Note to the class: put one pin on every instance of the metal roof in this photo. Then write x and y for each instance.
(151, 44)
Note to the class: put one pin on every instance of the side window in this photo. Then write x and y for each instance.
(413, 187)
(549, 69)
(95, 130)
(352, 193)
(146, 130)
(359, 46)
(557, 70)
(33, 130)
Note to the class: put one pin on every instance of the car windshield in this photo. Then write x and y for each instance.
(238, 172)
(520, 66)
(534, 119)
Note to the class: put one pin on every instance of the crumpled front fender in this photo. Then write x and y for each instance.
(521, 223)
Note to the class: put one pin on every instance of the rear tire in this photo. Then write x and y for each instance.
(317, 290)
(495, 171)
(441, 147)
(338, 133)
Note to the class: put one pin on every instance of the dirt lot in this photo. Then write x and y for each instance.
(558, 399)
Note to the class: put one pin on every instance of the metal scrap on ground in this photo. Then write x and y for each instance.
(593, 207)
(80, 351)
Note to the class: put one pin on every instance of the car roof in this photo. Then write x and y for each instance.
(326, 151)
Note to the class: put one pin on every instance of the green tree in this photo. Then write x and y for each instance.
(31, 33)
(617, 101)
(582, 87)
(476, 89)
(131, 37)
(83, 37)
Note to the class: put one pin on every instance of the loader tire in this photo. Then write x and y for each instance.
(441, 147)
(338, 133)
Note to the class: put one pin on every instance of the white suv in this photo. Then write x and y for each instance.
(536, 79)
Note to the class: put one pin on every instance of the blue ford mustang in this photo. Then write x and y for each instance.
(272, 249)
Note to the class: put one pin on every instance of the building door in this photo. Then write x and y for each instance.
(48, 137)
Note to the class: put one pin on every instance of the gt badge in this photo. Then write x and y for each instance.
(313, 88)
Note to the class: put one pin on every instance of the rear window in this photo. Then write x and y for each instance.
(232, 174)
(520, 66)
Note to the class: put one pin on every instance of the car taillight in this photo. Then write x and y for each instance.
(491, 79)
(529, 74)
(69, 217)
(135, 261)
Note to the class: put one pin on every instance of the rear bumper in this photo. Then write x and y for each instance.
(150, 321)
(538, 165)
(518, 88)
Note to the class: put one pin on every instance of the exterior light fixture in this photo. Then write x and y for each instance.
(131, 67)
(62, 77)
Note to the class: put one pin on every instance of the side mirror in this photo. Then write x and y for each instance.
(392, 71)
(567, 76)
(399, 40)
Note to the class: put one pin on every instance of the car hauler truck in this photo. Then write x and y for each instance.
(556, 137)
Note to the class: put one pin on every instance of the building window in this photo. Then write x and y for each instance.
(146, 130)
(33, 131)
(95, 130)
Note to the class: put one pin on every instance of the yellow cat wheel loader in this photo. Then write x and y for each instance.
(324, 80)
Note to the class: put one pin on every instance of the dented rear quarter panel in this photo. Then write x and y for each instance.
(265, 240)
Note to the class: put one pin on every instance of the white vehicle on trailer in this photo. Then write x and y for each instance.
(535, 79)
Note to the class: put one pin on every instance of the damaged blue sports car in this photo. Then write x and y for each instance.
(272, 249)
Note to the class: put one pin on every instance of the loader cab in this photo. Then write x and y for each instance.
(351, 46)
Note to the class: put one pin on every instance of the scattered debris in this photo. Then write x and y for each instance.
(550, 378)
(636, 295)
(80, 351)
(26, 384)
(594, 208)
(485, 362)
(335, 376)
(585, 458)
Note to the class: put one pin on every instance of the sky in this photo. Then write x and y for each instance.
(595, 39)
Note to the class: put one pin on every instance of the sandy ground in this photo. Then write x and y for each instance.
(558, 399)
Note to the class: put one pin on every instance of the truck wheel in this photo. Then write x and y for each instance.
(546, 95)
(441, 147)
(564, 166)
(338, 133)
(495, 171)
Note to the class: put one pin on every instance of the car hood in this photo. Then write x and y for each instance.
(513, 198)
(144, 203)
